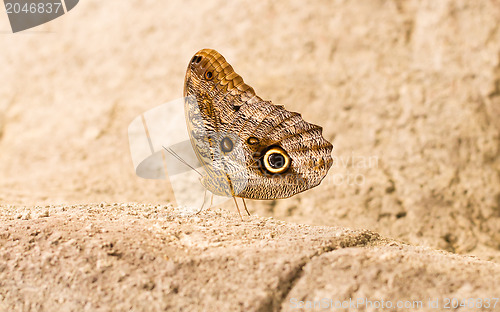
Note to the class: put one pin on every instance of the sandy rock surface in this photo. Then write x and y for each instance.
(407, 91)
(121, 257)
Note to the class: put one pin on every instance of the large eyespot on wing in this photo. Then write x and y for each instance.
(276, 160)
(292, 154)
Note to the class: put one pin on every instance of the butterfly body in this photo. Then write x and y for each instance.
(249, 147)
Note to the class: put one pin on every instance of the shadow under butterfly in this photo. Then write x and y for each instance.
(238, 144)
(25, 14)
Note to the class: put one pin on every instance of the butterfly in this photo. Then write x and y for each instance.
(248, 147)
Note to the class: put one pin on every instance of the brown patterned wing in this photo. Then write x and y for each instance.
(249, 147)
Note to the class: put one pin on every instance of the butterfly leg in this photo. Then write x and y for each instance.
(237, 208)
(203, 204)
(211, 201)
(245, 204)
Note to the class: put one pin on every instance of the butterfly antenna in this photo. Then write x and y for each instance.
(179, 158)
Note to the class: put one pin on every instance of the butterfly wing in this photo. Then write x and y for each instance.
(249, 147)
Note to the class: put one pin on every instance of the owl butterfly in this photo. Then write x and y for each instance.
(249, 148)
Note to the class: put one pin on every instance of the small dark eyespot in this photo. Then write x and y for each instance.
(236, 108)
(209, 75)
(252, 140)
(226, 145)
(198, 59)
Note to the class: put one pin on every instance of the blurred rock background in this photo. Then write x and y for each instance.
(408, 91)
